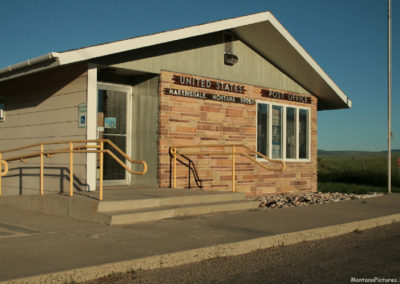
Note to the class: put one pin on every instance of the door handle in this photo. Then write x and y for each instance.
(98, 130)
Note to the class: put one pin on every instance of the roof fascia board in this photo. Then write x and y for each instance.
(88, 53)
(164, 37)
(291, 40)
(159, 38)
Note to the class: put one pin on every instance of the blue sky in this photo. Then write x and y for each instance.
(348, 39)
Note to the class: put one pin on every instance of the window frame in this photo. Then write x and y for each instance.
(284, 134)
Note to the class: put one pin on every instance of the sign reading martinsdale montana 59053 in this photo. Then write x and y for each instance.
(205, 96)
(293, 97)
(208, 84)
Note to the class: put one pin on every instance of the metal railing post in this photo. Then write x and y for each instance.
(233, 167)
(234, 152)
(4, 171)
(174, 168)
(41, 169)
(101, 170)
(71, 169)
(71, 150)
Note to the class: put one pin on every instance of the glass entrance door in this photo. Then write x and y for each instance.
(113, 111)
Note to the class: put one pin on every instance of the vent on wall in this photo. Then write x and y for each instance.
(229, 58)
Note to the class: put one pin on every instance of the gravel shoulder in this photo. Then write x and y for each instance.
(366, 254)
(305, 199)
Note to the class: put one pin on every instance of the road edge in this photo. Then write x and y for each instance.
(197, 255)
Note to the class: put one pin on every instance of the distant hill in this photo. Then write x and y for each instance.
(352, 152)
(356, 155)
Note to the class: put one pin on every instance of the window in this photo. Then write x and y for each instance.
(262, 129)
(277, 133)
(283, 132)
(291, 138)
(303, 134)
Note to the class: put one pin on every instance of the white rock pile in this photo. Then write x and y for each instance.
(297, 200)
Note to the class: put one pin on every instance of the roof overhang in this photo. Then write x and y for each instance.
(261, 31)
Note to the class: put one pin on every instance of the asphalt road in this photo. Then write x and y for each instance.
(369, 256)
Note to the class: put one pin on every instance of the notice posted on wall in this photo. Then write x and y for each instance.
(82, 115)
(110, 122)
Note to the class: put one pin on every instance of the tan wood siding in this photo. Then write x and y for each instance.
(144, 129)
(43, 107)
(204, 56)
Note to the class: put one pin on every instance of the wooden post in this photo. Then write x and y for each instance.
(41, 170)
(233, 167)
(101, 171)
(71, 169)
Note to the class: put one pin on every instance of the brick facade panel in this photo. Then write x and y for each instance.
(194, 121)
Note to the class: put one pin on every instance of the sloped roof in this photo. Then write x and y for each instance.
(261, 31)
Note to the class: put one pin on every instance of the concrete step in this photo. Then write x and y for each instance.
(164, 212)
(123, 205)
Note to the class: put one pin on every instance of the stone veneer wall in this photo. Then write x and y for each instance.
(190, 121)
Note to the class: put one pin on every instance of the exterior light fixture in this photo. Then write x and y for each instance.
(230, 59)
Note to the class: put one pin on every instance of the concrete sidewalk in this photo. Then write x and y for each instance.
(42, 248)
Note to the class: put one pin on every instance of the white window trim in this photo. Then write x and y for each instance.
(285, 106)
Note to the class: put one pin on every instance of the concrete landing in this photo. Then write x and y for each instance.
(38, 248)
(124, 205)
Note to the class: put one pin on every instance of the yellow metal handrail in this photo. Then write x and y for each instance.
(73, 148)
(174, 152)
(4, 164)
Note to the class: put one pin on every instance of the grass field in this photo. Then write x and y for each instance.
(356, 172)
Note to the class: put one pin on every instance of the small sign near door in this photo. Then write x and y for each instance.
(82, 115)
(110, 122)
